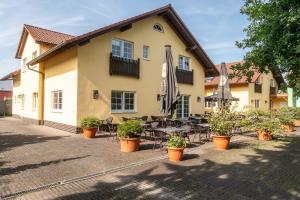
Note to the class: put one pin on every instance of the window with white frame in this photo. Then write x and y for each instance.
(21, 101)
(272, 83)
(34, 54)
(122, 101)
(183, 107)
(34, 100)
(57, 99)
(24, 67)
(146, 52)
(256, 103)
(122, 48)
(184, 63)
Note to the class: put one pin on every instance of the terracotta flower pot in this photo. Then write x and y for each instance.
(175, 154)
(297, 122)
(287, 129)
(262, 135)
(130, 144)
(221, 142)
(89, 132)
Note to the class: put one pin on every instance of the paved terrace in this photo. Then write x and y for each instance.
(33, 156)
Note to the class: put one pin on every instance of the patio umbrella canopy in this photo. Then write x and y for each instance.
(223, 89)
(169, 88)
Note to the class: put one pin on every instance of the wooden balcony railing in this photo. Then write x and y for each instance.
(184, 76)
(257, 88)
(124, 66)
(273, 90)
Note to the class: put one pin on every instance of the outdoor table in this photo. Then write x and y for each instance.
(172, 130)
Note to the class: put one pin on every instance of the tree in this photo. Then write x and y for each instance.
(272, 40)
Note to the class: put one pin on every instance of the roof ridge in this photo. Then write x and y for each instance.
(26, 25)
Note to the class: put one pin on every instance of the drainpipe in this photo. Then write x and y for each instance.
(40, 94)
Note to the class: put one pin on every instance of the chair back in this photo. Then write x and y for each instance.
(109, 120)
(144, 118)
(154, 124)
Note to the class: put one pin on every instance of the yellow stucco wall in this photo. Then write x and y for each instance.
(93, 71)
(237, 91)
(61, 74)
(29, 81)
(264, 96)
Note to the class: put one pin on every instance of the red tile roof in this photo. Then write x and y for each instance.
(41, 35)
(47, 36)
(11, 75)
(235, 80)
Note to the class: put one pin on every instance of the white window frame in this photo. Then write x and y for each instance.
(122, 48)
(60, 95)
(160, 26)
(123, 110)
(182, 107)
(21, 100)
(184, 60)
(145, 47)
(256, 103)
(24, 67)
(272, 83)
(34, 100)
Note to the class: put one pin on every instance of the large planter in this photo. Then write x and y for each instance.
(297, 122)
(130, 144)
(263, 135)
(89, 132)
(287, 129)
(221, 142)
(175, 154)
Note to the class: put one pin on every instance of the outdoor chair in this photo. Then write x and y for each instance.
(109, 127)
(159, 138)
(144, 118)
(199, 131)
(124, 119)
(150, 130)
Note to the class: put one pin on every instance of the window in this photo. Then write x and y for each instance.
(272, 83)
(34, 54)
(158, 27)
(184, 63)
(183, 107)
(122, 48)
(34, 100)
(21, 100)
(57, 97)
(24, 67)
(146, 52)
(256, 103)
(122, 101)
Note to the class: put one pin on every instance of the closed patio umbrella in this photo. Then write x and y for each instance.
(223, 93)
(169, 88)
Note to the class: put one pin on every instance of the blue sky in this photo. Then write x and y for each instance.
(216, 24)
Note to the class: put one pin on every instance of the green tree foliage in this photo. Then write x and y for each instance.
(272, 40)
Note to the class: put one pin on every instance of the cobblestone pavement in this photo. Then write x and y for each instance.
(251, 169)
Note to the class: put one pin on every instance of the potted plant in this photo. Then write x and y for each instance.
(89, 126)
(265, 129)
(129, 135)
(220, 124)
(176, 145)
(285, 117)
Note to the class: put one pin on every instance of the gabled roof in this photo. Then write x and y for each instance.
(40, 35)
(171, 17)
(11, 75)
(235, 80)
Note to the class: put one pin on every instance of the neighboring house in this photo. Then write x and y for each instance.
(293, 100)
(5, 97)
(260, 93)
(113, 71)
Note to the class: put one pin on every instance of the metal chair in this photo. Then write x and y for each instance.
(158, 136)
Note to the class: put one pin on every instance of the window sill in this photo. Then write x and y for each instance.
(123, 112)
(57, 111)
(146, 59)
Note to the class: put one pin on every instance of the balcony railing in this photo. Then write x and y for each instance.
(272, 90)
(124, 66)
(257, 88)
(184, 76)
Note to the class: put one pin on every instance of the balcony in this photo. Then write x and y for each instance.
(184, 76)
(124, 66)
(273, 91)
(257, 88)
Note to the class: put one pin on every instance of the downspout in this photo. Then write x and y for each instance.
(40, 94)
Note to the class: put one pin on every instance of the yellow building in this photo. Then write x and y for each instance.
(112, 71)
(260, 93)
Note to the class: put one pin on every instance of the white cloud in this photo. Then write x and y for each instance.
(72, 21)
(220, 45)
